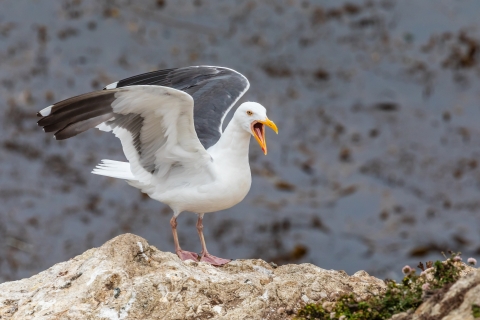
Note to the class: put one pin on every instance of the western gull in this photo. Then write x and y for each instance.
(169, 123)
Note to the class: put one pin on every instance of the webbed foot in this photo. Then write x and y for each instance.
(214, 261)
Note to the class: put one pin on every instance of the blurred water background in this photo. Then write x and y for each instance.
(376, 164)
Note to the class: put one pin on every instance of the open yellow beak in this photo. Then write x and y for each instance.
(258, 131)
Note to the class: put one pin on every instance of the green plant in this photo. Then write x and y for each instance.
(476, 310)
(398, 297)
(445, 272)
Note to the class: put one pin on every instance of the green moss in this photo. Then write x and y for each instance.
(445, 273)
(476, 310)
(398, 297)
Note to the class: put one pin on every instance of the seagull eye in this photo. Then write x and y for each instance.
(249, 112)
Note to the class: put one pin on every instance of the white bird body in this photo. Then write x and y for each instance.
(231, 177)
(170, 125)
(201, 181)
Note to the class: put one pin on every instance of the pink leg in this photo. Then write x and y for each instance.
(207, 257)
(184, 255)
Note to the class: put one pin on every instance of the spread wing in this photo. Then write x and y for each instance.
(215, 90)
(154, 124)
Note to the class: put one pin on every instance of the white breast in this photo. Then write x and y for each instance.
(231, 185)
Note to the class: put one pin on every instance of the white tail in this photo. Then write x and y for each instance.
(114, 169)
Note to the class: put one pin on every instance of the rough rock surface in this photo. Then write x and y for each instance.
(128, 279)
(452, 303)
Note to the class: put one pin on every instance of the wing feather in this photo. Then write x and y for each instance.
(165, 119)
(154, 124)
(215, 90)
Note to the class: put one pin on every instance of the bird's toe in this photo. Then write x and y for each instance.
(215, 261)
(187, 255)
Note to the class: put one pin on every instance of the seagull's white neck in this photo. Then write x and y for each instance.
(233, 143)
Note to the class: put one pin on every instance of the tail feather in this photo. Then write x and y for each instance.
(114, 169)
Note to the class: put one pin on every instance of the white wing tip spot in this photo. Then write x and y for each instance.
(46, 112)
(112, 85)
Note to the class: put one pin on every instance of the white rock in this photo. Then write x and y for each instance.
(128, 279)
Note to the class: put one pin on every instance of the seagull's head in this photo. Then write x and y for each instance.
(253, 118)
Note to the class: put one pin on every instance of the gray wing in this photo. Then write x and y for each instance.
(214, 90)
(154, 124)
